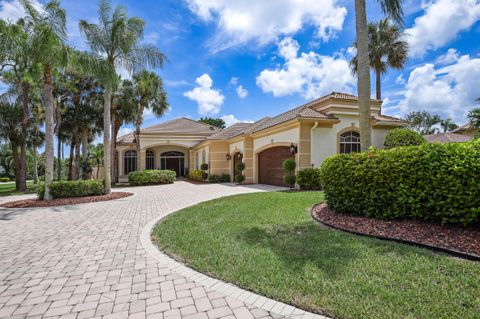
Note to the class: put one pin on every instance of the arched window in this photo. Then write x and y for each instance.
(129, 161)
(174, 161)
(150, 160)
(350, 142)
(204, 157)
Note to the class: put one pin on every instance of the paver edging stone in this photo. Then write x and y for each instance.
(220, 286)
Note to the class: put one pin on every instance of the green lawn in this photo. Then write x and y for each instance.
(268, 243)
(7, 189)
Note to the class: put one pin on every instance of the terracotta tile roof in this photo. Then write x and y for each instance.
(303, 111)
(386, 118)
(181, 126)
(126, 139)
(231, 131)
(447, 138)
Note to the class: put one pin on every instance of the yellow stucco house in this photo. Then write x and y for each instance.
(308, 133)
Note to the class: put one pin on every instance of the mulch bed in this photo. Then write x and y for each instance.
(453, 238)
(33, 202)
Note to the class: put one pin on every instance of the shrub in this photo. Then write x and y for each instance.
(309, 179)
(403, 137)
(240, 167)
(4, 179)
(223, 178)
(289, 179)
(204, 167)
(289, 165)
(437, 182)
(151, 177)
(239, 178)
(195, 175)
(214, 179)
(64, 189)
(204, 176)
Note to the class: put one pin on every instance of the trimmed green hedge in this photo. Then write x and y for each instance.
(65, 189)
(438, 182)
(309, 179)
(151, 177)
(224, 178)
(403, 137)
(4, 179)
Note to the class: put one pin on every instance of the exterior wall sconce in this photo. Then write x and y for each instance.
(228, 157)
(293, 148)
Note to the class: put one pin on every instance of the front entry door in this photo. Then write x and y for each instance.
(174, 161)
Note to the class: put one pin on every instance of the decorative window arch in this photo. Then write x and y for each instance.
(149, 159)
(349, 142)
(204, 157)
(129, 161)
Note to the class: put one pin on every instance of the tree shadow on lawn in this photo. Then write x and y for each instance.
(330, 251)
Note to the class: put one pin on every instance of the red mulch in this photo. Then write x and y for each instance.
(25, 203)
(463, 239)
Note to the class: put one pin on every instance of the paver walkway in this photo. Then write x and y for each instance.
(86, 261)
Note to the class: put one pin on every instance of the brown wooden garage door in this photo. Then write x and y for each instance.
(270, 170)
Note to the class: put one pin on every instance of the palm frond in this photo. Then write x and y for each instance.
(393, 9)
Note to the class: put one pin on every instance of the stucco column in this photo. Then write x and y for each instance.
(248, 160)
(304, 155)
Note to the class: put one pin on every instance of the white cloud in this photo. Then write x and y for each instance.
(152, 37)
(400, 80)
(263, 21)
(442, 21)
(125, 130)
(241, 92)
(208, 99)
(176, 83)
(450, 57)
(449, 91)
(309, 74)
(12, 10)
(231, 119)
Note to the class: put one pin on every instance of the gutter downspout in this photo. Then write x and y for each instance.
(311, 142)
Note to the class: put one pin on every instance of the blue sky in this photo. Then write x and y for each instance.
(242, 60)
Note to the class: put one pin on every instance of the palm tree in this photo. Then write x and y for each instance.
(386, 48)
(117, 39)
(150, 94)
(448, 125)
(123, 111)
(474, 118)
(17, 56)
(393, 8)
(96, 156)
(11, 130)
(47, 30)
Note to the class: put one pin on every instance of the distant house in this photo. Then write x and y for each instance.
(448, 138)
(308, 133)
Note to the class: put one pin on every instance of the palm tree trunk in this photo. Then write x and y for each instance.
(378, 82)
(363, 75)
(49, 149)
(70, 160)
(116, 128)
(59, 160)
(16, 165)
(138, 122)
(85, 134)
(113, 149)
(23, 150)
(106, 139)
(78, 159)
(35, 166)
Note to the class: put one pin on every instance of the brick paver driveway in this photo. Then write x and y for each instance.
(86, 261)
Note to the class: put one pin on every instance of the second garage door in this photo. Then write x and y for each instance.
(270, 170)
